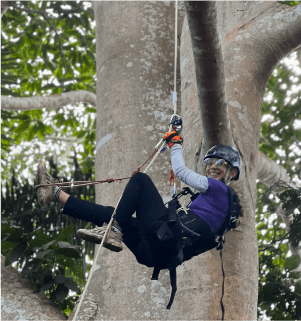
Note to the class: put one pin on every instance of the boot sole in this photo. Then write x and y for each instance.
(111, 246)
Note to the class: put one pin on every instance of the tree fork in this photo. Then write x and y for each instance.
(209, 70)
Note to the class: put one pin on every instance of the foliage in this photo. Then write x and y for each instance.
(279, 284)
(44, 263)
(290, 3)
(47, 48)
(59, 58)
(35, 239)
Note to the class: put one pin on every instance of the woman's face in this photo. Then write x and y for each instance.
(218, 171)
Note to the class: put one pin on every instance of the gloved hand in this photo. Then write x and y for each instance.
(176, 122)
(173, 138)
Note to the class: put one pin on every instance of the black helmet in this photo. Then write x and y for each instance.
(228, 153)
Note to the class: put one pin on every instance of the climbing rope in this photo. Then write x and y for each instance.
(153, 156)
(86, 183)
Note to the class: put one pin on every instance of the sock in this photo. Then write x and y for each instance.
(116, 228)
(56, 192)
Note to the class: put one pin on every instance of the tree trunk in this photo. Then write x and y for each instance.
(18, 302)
(248, 66)
(134, 69)
(135, 53)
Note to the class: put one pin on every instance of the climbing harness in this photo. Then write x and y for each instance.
(190, 244)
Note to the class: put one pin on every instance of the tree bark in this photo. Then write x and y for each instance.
(209, 72)
(53, 101)
(4, 6)
(135, 61)
(242, 26)
(269, 172)
(18, 302)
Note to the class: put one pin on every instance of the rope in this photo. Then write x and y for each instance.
(175, 77)
(86, 183)
(155, 154)
(223, 286)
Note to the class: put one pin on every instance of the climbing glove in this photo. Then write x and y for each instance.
(173, 138)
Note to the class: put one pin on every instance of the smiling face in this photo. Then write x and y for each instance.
(220, 170)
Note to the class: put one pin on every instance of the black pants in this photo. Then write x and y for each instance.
(140, 196)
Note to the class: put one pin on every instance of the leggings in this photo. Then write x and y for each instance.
(140, 196)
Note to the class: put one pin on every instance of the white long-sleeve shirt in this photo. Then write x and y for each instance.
(186, 175)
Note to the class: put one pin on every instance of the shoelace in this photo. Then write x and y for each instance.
(100, 230)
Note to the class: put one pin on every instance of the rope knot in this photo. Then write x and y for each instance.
(137, 171)
(111, 180)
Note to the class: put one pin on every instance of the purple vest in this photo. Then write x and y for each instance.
(212, 206)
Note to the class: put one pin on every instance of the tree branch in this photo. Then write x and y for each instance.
(53, 101)
(4, 6)
(209, 70)
(269, 172)
(17, 292)
(282, 28)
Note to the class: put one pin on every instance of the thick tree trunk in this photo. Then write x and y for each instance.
(134, 65)
(18, 302)
(246, 73)
(135, 52)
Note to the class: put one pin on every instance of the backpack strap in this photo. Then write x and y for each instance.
(232, 214)
(173, 282)
(156, 273)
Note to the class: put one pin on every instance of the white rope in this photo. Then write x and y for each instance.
(158, 152)
(175, 77)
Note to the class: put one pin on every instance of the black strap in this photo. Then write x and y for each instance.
(222, 305)
(173, 282)
(171, 136)
(156, 272)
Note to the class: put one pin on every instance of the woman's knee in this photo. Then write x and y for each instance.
(140, 177)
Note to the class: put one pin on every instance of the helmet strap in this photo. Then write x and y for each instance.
(223, 179)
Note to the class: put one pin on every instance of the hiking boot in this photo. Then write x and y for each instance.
(45, 194)
(113, 242)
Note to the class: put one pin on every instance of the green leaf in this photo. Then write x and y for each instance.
(18, 252)
(65, 233)
(290, 3)
(295, 275)
(15, 236)
(292, 262)
(68, 253)
(61, 293)
(8, 245)
(47, 286)
(67, 245)
(39, 240)
(70, 284)
(60, 278)
(37, 268)
(45, 246)
(298, 287)
(41, 254)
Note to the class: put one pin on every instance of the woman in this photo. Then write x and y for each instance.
(156, 234)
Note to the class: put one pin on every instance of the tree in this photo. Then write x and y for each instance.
(134, 80)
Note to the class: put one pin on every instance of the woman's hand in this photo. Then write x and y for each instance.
(173, 138)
